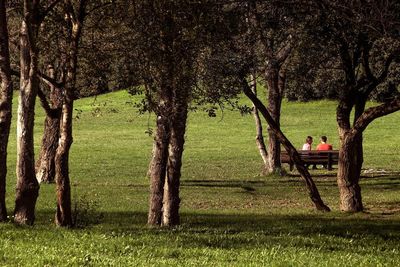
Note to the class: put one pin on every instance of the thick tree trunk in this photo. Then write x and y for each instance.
(259, 129)
(274, 108)
(171, 200)
(64, 215)
(27, 189)
(349, 172)
(6, 92)
(350, 157)
(45, 166)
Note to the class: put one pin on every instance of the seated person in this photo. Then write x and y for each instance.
(307, 145)
(323, 145)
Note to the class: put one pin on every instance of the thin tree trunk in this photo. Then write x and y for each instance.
(171, 199)
(294, 155)
(45, 166)
(274, 108)
(6, 92)
(64, 214)
(76, 17)
(259, 129)
(27, 190)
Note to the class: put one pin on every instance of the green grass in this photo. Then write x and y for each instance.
(231, 216)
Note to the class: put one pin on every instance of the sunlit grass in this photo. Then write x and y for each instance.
(231, 216)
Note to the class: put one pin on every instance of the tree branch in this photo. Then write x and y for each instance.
(285, 51)
(50, 81)
(43, 100)
(373, 113)
(48, 9)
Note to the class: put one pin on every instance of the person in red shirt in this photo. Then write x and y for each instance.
(323, 145)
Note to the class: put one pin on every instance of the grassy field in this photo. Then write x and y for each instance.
(231, 216)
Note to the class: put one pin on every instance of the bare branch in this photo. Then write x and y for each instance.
(50, 81)
(375, 112)
(43, 100)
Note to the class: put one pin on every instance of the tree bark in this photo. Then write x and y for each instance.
(6, 92)
(274, 108)
(27, 189)
(45, 166)
(64, 214)
(171, 200)
(158, 165)
(349, 172)
(259, 129)
(313, 191)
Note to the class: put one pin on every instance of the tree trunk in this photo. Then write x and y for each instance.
(64, 215)
(350, 158)
(6, 92)
(158, 165)
(171, 191)
(274, 108)
(27, 189)
(76, 17)
(349, 170)
(259, 129)
(45, 166)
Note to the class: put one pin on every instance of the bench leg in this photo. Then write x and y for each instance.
(329, 162)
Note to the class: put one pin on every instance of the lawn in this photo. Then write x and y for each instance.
(231, 216)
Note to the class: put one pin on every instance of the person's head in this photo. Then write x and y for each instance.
(309, 140)
(323, 138)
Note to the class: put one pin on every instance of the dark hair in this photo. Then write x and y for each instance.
(309, 138)
(323, 138)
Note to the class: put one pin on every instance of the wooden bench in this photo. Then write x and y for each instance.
(324, 157)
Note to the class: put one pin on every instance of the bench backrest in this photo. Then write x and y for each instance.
(314, 156)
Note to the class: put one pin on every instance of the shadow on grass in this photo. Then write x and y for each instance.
(382, 182)
(251, 186)
(360, 233)
(333, 224)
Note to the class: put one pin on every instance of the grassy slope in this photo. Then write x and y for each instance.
(230, 214)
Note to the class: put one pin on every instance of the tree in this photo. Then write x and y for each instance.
(56, 49)
(274, 28)
(367, 45)
(167, 42)
(27, 186)
(75, 16)
(6, 92)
